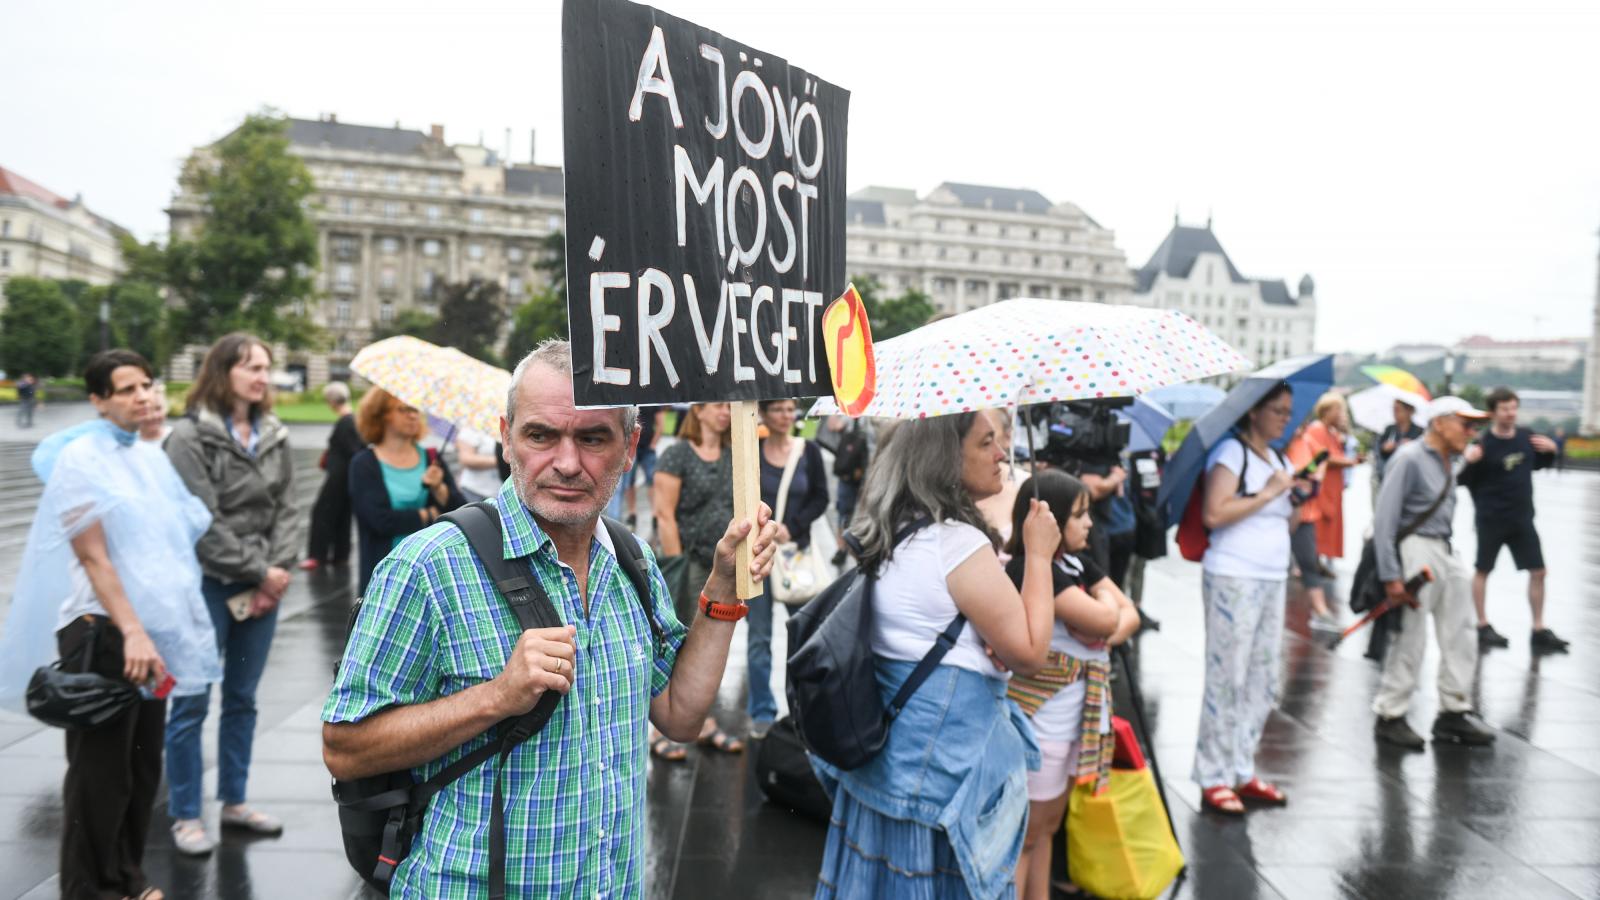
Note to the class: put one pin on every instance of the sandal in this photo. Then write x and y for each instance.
(252, 820)
(1222, 799)
(1262, 791)
(190, 839)
(723, 741)
(668, 749)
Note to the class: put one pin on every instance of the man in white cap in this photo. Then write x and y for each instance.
(1411, 530)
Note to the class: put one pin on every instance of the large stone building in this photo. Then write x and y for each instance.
(968, 245)
(45, 235)
(399, 212)
(1260, 317)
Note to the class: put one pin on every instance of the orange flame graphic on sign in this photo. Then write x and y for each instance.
(847, 339)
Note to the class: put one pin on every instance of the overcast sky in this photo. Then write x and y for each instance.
(1436, 170)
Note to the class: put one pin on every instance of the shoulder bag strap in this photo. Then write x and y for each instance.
(632, 562)
(1244, 465)
(1413, 525)
(789, 465)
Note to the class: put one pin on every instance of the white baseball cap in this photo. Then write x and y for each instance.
(1453, 406)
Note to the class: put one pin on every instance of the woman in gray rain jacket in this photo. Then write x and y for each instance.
(234, 455)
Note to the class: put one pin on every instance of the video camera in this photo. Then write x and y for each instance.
(1079, 433)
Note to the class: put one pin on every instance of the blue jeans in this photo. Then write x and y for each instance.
(760, 704)
(244, 647)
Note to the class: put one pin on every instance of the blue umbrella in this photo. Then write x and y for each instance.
(1188, 401)
(1150, 421)
(1309, 376)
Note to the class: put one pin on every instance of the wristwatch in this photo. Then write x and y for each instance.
(723, 612)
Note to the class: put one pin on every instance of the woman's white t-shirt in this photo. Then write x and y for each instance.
(483, 482)
(911, 602)
(1256, 546)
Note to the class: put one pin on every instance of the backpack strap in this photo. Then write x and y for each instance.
(515, 581)
(632, 562)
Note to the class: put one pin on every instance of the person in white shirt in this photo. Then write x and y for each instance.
(480, 470)
(1248, 509)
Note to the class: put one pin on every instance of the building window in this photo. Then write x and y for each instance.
(514, 286)
(973, 286)
(428, 279)
(1097, 268)
(1005, 259)
(5, 228)
(348, 176)
(944, 285)
(1066, 262)
(386, 277)
(974, 256)
(386, 313)
(390, 246)
(347, 206)
(972, 228)
(391, 179)
(938, 225)
(344, 275)
(476, 216)
(1038, 262)
(5, 258)
(391, 210)
(435, 184)
(430, 248)
(943, 252)
(905, 252)
(514, 254)
(1033, 233)
(433, 213)
(344, 248)
(341, 312)
(1100, 296)
(475, 251)
(872, 249)
(1003, 230)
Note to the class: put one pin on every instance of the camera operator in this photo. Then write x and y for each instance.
(1086, 440)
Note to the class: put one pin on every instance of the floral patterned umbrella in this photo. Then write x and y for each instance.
(441, 381)
(1024, 351)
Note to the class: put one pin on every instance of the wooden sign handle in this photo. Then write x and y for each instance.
(746, 489)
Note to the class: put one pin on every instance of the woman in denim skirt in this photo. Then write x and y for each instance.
(940, 812)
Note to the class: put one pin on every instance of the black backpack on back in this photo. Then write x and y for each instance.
(380, 814)
(850, 454)
(833, 682)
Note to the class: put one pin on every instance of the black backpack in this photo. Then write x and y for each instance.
(833, 682)
(380, 814)
(784, 773)
(850, 454)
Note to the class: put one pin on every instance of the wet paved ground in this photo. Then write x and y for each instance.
(1520, 820)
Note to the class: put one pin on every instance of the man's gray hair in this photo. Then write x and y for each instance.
(336, 392)
(556, 354)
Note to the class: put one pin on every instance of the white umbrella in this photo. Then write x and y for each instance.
(1024, 351)
(1373, 408)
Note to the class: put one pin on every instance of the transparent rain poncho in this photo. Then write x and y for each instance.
(151, 523)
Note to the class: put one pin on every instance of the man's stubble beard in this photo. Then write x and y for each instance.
(606, 486)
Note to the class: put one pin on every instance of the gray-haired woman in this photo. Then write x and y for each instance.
(940, 811)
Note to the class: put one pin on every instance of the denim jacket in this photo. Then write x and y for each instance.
(957, 760)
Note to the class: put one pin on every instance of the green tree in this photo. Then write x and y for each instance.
(255, 249)
(470, 318)
(892, 316)
(39, 329)
(543, 316)
(137, 318)
(414, 322)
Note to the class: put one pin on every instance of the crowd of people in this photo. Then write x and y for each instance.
(1021, 568)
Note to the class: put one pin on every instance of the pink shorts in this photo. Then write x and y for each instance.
(1057, 761)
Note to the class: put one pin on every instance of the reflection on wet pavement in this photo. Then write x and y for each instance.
(1520, 820)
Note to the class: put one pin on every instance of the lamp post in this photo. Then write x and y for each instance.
(1449, 373)
(105, 322)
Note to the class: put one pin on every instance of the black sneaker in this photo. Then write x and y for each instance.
(1147, 622)
(1545, 641)
(1397, 731)
(1488, 638)
(839, 558)
(1461, 728)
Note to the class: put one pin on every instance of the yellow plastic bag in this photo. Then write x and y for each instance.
(1119, 844)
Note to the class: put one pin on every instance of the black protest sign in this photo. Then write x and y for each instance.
(705, 200)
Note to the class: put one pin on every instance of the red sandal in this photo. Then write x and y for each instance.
(1264, 792)
(1221, 799)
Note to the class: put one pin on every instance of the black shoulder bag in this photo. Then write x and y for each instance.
(833, 680)
(379, 815)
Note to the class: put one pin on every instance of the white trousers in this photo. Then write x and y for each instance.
(1244, 649)
(1448, 599)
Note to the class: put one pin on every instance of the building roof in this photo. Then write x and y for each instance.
(893, 195)
(863, 212)
(1177, 254)
(979, 196)
(357, 138)
(544, 180)
(1275, 292)
(17, 186)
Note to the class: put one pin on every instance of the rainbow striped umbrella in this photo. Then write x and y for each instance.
(1397, 377)
(441, 381)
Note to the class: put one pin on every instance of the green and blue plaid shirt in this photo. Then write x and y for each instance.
(431, 625)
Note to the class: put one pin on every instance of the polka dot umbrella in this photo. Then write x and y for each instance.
(441, 381)
(1024, 351)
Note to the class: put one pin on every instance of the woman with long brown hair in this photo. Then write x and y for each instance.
(233, 454)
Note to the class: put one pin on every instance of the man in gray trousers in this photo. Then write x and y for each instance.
(1418, 497)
